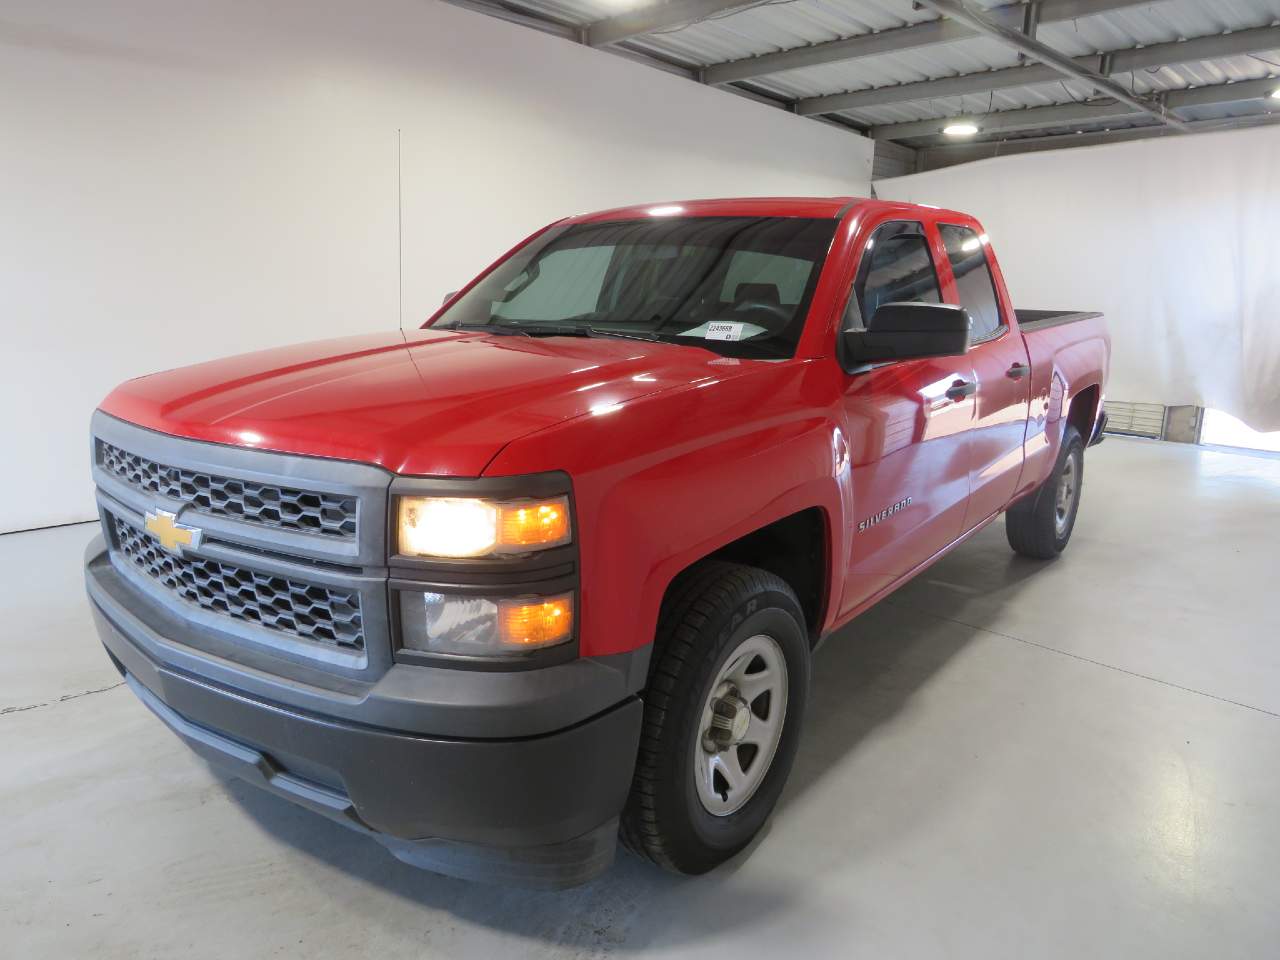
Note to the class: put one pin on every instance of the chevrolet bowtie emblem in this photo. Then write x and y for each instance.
(173, 536)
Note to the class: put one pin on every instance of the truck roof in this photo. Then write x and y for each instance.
(730, 207)
(816, 207)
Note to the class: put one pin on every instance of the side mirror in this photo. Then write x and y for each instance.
(448, 297)
(908, 331)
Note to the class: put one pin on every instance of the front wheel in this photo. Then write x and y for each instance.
(1040, 525)
(722, 717)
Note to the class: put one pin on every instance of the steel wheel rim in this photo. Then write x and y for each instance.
(741, 726)
(1068, 490)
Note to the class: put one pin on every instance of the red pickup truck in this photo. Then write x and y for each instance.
(552, 568)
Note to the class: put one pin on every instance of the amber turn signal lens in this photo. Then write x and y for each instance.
(535, 623)
(543, 523)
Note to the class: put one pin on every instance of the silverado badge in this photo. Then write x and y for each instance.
(173, 536)
(883, 515)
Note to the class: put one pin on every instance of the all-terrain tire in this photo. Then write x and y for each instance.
(712, 612)
(1040, 525)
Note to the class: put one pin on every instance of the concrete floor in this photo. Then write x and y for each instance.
(1004, 759)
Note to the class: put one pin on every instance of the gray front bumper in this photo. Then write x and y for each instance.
(510, 776)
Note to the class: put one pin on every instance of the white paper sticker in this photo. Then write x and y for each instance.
(724, 331)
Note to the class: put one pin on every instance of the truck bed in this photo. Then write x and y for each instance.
(1029, 320)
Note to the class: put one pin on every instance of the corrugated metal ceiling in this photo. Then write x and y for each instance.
(776, 25)
(1230, 69)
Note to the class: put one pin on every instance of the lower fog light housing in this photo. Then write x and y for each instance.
(479, 626)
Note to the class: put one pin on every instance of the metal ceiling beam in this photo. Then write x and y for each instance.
(1006, 121)
(933, 158)
(1114, 62)
(1236, 43)
(518, 14)
(1095, 111)
(984, 82)
(851, 48)
(901, 38)
(1222, 93)
(556, 29)
(1050, 57)
(657, 18)
(514, 12)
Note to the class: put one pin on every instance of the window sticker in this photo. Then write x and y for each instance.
(724, 331)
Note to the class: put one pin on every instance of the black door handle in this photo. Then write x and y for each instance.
(1017, 371)
(961, 389)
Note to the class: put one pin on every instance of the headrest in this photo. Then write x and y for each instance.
(757, 293)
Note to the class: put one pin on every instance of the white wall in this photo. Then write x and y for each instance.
(1175, 239)
(183, 180)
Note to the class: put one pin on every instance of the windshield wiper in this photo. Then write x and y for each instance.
(541, 329)
(623, 334)
(518, 329)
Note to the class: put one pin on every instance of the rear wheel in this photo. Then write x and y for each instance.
(1040, 525)
(722, 717)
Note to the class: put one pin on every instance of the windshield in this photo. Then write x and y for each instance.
(740, 286)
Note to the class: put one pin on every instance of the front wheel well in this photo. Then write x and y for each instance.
(795, 549)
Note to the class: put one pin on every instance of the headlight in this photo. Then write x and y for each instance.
(468, 527)
(483, 626)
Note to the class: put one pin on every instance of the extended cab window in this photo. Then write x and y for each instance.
(740, 286)
(975, 286)
(897, 267)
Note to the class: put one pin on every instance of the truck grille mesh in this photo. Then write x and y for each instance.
(330, 515)
(312, 612)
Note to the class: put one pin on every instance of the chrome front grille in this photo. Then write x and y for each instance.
(309, 611)
(270, 505)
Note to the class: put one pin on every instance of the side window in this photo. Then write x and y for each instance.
(975, 286)
(897, 267)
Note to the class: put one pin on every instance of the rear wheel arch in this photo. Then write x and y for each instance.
(1083, 410)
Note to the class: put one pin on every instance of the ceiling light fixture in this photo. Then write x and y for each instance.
(1275, 94)
(960, 128)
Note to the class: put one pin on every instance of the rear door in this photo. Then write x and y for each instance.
(907, 437)
(1001, 373)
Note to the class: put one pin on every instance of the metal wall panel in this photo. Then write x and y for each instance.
(1135, 419)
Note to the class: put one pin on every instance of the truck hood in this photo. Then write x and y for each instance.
(423, 402)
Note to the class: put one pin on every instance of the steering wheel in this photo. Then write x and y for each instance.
(775, 310)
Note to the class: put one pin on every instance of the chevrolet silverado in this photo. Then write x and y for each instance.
(550, 570)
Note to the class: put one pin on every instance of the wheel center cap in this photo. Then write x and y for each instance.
(730, 720)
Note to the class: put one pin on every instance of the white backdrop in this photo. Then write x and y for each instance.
(1177, 239)
(180, 181)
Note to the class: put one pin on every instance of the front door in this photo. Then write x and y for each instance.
(907, 427)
